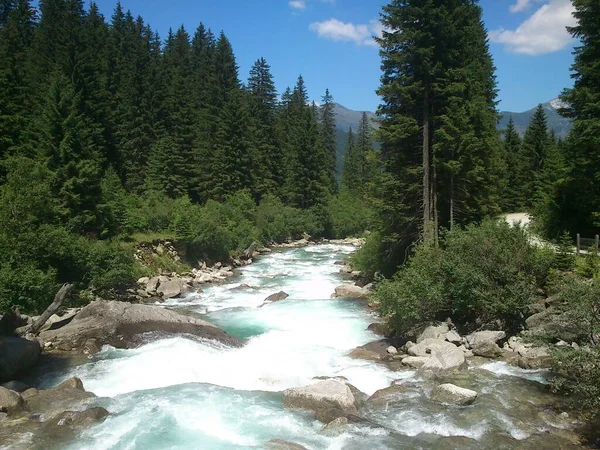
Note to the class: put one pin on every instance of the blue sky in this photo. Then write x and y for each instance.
(329, 42)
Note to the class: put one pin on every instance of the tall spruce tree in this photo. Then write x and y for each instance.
(350, 179)
(517, 175)
(435, 58)
(329, 138)
(267, 165)
(579, 202)
(536, 143)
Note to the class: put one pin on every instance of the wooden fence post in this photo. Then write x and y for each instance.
(578, 244)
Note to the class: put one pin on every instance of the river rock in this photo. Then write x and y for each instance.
(335, 427)
(433, 332)
(453, 336)
(534, 358)
(172, 288)
(16, 386)
(29, 393)
(427, 346)
(444, 361)
(10, 401)
(279, 444)
(152, 284)
(388, 395)
(391, 350)
(449, 393)
(485, 336)
(17, 356)
(350, 291)
(487, 349)
(363, 353)
(122, 325)
(322, 395)
(277, 297)
(415, 362)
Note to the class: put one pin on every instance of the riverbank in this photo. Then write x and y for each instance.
(227, 397)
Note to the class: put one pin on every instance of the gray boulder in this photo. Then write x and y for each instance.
(551, 324)
(279, 444)
(277, 297)
(433, 332)
(454, 395)
(17, 356)
(126, 325)
(388, 395)
(350, 291)
(10, 401)
(415, 362)
(322, 395)
(487, 349)
(427, 346)
(172, 288)
(335, 427)
(445, 361)
(485, 336)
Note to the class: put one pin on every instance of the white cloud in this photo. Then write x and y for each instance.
(337, 30)
(297, 4)
(519, 6)
(544, 32)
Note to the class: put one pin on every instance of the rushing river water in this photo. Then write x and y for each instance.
(180, 393)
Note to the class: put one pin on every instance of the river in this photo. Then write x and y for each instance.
(180, 393)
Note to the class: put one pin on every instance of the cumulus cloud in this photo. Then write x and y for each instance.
(544, 32)
(336, 30)
(297, 4)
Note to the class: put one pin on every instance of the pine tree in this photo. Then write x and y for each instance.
(70, 156)
(16, 37)
(536, 143)
(232, 163)
(350, 179)
(517, 170)
(268, 169)
(579, 206)
(226, 68)
(328, 138)
(440, 151)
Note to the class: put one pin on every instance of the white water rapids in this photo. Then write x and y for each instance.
(179, 393)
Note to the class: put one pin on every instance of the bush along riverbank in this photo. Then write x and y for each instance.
(536, 307)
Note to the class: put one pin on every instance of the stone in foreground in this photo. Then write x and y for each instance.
(10, 401)
(322, 395)
(454, 395)
(123, 325)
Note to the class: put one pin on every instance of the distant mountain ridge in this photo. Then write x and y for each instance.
(559, 124)
(347, 118)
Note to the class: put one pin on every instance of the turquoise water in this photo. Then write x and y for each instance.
(179, 393)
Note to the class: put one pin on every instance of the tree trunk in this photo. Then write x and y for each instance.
(434, 204)
(58, 299)
(426, 167)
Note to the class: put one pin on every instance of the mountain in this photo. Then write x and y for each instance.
(346, 118)
(561, 125)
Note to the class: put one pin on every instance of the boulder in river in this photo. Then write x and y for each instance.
(384, 397)
(277, 297)
(322, 395)
(445, 361)
(452, 394)
(123, 325)
(279, 444)
(172, 288)
(350, 291)
(17, 355)
(415, 362)
(335, 427)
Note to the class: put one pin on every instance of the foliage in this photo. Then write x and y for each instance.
(482, 274)
(350, 215)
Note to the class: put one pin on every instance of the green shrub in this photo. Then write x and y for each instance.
(350, 215)
(368, 258)
(480, 275)
(111, 267)
(27, 287)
